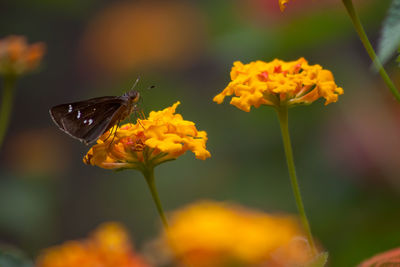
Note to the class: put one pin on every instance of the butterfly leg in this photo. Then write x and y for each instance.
(115, 132)
(111, 131)
(143, 117)
(138, 115)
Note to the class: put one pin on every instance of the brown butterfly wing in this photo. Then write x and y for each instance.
(88, 120)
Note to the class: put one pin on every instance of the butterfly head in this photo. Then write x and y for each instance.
(133, 95)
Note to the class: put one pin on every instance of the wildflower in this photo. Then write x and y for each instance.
(220, 234)
(162, 137)
(279, 83)
(282, 85)
(108, 246)
(17, 57)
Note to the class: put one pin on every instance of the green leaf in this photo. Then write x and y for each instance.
(11, 257)
(390, 34)
(319, 261)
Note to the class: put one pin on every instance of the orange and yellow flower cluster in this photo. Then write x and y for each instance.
(163, 136)
(17, 57)
(279, 83)
(220, 234)
(109, 246)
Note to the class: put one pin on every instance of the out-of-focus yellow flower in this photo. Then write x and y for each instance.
(282, 4)
(163, 136)
(279, 83)
(220, 234)
(109, 246)
(17, 57)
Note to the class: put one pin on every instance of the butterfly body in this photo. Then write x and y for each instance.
(87, 120)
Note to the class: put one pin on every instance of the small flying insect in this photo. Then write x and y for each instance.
(87, 120)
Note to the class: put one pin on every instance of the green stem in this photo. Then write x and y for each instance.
(370, 50)
(283, 121)
(149, 175)
(6, 106)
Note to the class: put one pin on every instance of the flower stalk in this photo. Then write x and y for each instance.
(282, 112)
(6, 105)
(368, 47)
(148, 174)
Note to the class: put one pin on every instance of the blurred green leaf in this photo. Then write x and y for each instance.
(319, 261)
(398, 57)
(11, 257)
(390, 33)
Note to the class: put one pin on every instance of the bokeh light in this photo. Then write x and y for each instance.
(139, 35)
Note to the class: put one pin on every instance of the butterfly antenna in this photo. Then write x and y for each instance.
(141, 98)
(135, 83)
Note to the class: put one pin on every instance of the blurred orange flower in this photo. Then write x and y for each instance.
(139, 34)
(17, 57)
(279, 83)
(108, 246)
(162, 137)
(220, 234)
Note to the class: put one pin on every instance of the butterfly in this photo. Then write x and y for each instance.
(87, 120)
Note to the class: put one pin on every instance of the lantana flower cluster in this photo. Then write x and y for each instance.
(108, 246)
(163, 136)
(278, 83)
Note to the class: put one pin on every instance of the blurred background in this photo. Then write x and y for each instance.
(347, 154)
